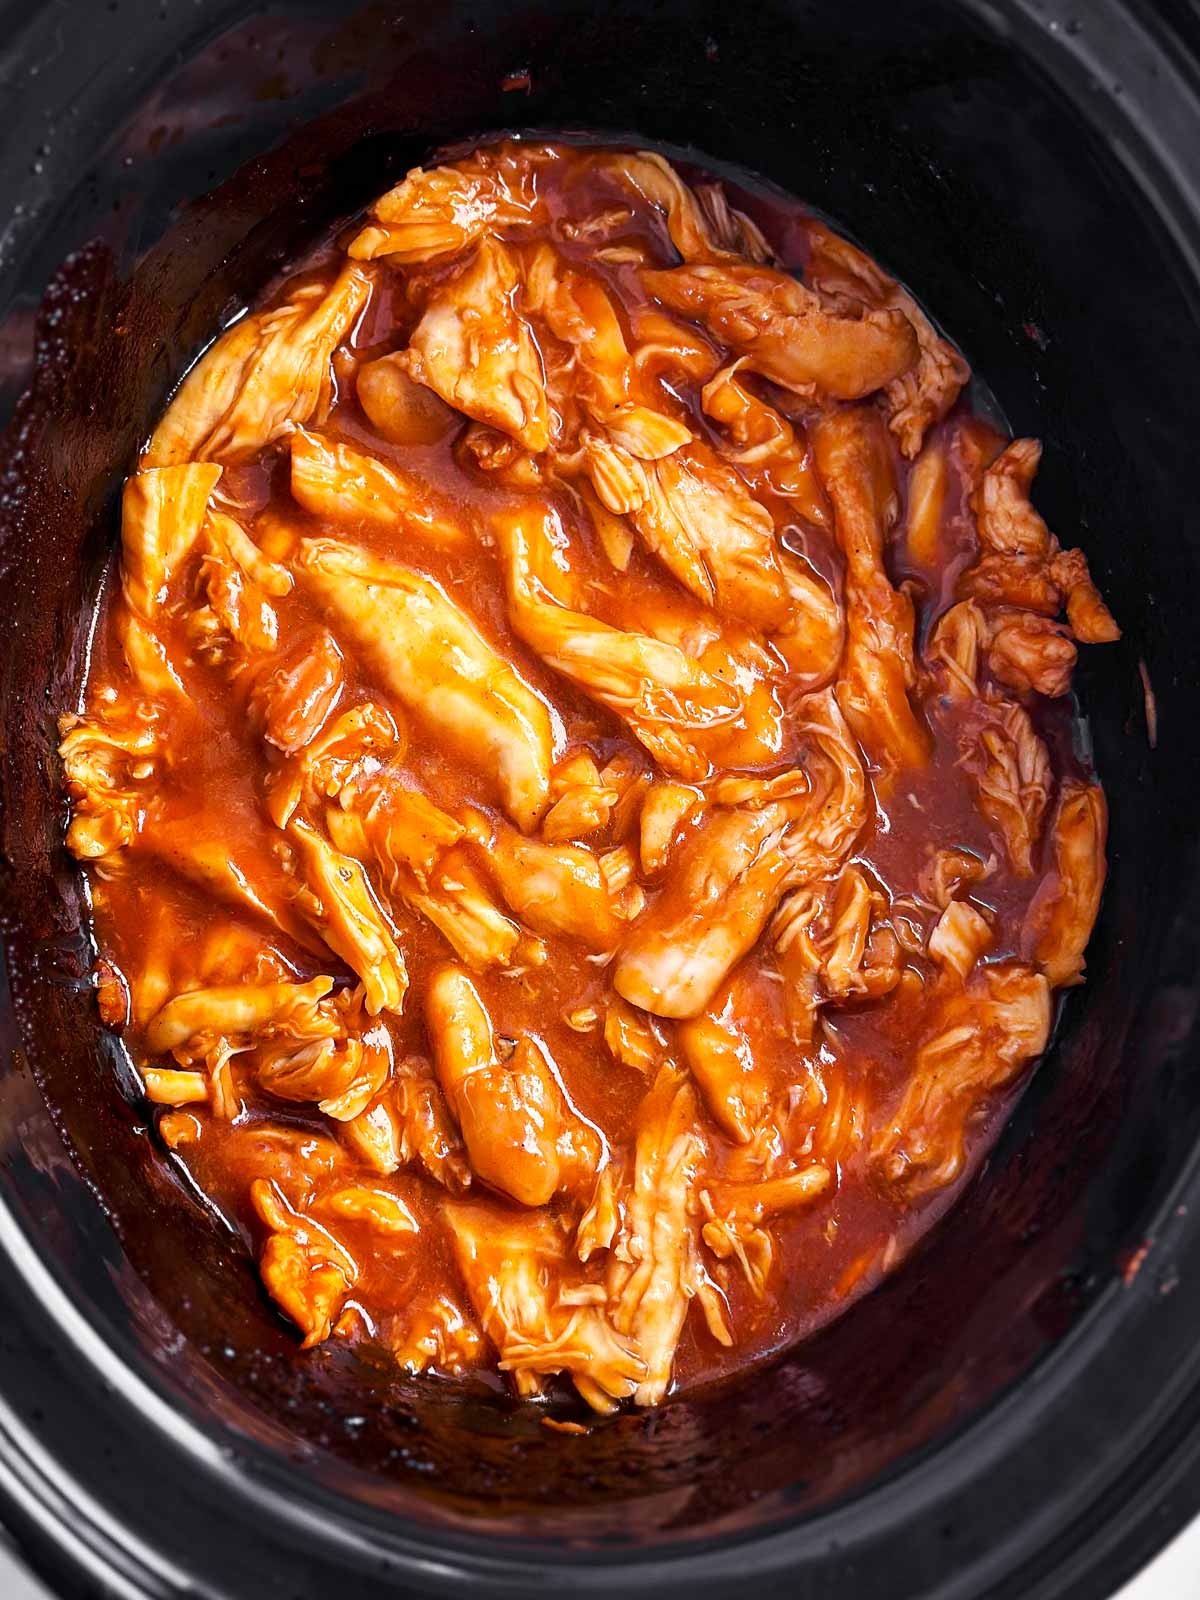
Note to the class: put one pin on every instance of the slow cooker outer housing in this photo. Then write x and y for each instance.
(1016, 1412)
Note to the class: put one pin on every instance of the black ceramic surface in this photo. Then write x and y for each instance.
(1014, 1414)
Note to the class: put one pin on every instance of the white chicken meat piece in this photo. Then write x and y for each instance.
(339, 1060)
(148, 661)
(1059, 922)
(400, 409)
(163, 511)
(438, 211)
(812, 638)
(300, 1042)
(720, 1056)
(724, 887)
(920, 396)
(632, 1037)
(1022, 650)
(928, 483)
(237, 956)
(687, 711)
(1010, 767)
(800, 961)
(729, 228)
(958, 644)
(737, 1214)
(731, 875)
(665, 809)
(877, 668)
(474, 348)
(521, 1136)
(413, 843)
(231, 1009)
(618, 478)
(340, 757)
(654, 1269)
(702, 523)
(108, 760)
(329, 1053)
(440, 1337)
(834, 811)
(702, 225)
(1030, 654)
(783, 331)
(332, 480)
(340, 904)
(409, 1124)
(859, 954)
(985, 1035)
(294, 694)
(239, 620)
(555, 889)
(581, 800)
(833, 946)
(1006, 518)
(764, 444)
(599, 377)
(960, 937)
(304, 1267)
(1020, 552)
(429, 654)
(515, 1270)
(268, 373)
(950, 872)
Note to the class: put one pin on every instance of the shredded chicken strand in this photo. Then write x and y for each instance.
(475, 349)
(428, 653)
(1011, 769)
(439, 211)
(1022, 566)
(878, 668)
(509, 1265)
(655, 1270)
(986, 1034)
(784, 332)
(679, 707)
(268, 373)
(1061, 917)
(921, 396)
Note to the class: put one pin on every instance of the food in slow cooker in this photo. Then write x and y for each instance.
(577, 776)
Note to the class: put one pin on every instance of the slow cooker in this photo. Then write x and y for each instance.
(1017, 1411)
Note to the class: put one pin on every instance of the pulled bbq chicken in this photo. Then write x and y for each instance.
(575, 776)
